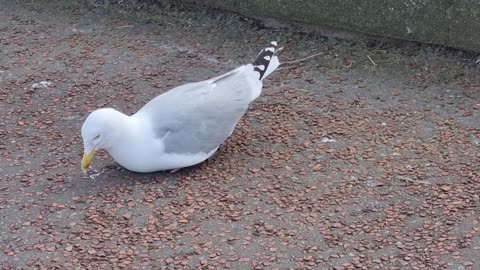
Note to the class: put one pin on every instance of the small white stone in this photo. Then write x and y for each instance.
(42, 84)
(327, 140)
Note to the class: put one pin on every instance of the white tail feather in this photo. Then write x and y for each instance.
(272, 66)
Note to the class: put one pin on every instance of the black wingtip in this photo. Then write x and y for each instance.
(264, 57)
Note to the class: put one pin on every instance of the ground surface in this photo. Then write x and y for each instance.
(397, 189)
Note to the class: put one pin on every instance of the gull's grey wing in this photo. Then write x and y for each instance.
(198, 117)
(202, 132)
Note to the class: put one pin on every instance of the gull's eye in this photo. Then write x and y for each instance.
(96, 137)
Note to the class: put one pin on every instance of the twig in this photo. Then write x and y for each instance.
(349, 66)
(303, 90)
(301, 60)
(406, 179)
(369, 58)
(124, 26)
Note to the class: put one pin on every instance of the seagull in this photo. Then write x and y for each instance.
(181, 127)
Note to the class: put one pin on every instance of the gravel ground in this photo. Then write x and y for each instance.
(342, 163)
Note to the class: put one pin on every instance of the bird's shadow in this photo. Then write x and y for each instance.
(111, 176)
(114, 177)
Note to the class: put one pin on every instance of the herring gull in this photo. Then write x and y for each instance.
(181, 127)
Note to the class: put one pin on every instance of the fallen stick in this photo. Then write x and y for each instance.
(371, 60)
(301, 60)
(406, 179)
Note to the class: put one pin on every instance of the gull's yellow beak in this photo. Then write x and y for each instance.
(87, 160)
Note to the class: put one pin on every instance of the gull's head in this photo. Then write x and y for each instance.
(97, 133)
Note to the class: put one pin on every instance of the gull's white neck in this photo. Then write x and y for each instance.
(117, 129)
(132, 141)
